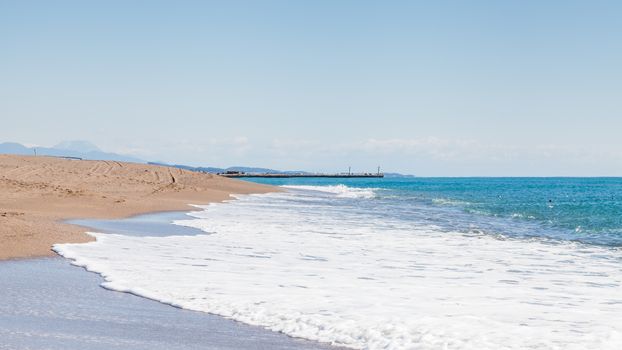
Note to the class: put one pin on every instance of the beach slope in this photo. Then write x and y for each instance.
(38, 193)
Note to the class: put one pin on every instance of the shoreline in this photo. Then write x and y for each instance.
(200, 329)
(146, 224)
(41, 194)
(57, 306)
(70, 310)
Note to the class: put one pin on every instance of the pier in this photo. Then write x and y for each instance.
(349, 174)
(279, 175)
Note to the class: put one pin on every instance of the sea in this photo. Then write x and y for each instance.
(393, 263)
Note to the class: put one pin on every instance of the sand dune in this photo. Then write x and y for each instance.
(37, 193)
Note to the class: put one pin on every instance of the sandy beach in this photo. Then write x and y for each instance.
(39, 193)
(53, 305)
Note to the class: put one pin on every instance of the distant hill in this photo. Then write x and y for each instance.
(191, 168)
(264, 170)
(251, 170)
(87, 150)
(78, 149)
(233, 168)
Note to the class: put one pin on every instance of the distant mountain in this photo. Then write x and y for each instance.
(15, 148)
(78, 149)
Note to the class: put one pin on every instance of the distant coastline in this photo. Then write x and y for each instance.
(87, 151)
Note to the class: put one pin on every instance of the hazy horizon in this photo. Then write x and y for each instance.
(442, 88)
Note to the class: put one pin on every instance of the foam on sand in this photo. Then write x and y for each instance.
(323, 270)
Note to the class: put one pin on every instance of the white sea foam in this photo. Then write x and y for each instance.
(446, 201)
(341, 191)
(328, 272)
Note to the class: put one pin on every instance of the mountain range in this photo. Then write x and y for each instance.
(75, 149)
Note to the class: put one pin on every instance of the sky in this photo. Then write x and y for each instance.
(431, 88)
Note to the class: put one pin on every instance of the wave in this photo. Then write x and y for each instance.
(341, 191)
(447, 201)
(327, 272)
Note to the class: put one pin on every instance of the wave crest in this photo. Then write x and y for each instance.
(341, 191)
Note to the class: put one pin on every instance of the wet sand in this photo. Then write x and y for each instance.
(49, 304)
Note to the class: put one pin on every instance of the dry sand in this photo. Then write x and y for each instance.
(37, 193)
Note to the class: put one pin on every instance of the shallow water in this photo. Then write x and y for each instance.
(359, 267)
(154, 224)
(49, 304)
(587, 210)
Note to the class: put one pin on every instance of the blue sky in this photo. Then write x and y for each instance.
(442, 88)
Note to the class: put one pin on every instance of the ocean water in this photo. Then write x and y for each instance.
(478, 263)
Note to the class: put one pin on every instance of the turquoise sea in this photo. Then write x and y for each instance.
(393, 263)
(587, 210)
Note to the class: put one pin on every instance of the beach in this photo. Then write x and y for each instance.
(38, 193)
(390, 263)
(396, 263)
(412, 175)
(50, 304)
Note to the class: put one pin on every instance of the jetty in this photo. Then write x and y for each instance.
(279, 175)
(349, 174)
